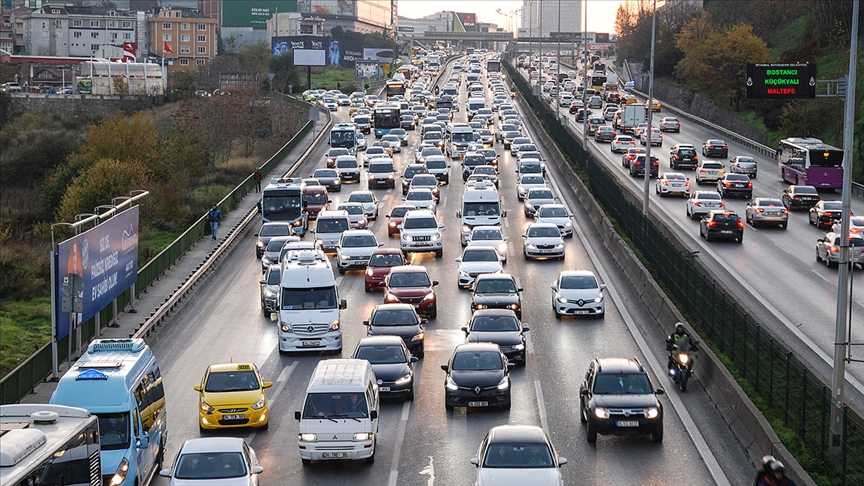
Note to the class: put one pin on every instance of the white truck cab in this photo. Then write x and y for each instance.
(481, 206)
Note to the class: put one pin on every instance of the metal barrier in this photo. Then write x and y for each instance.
(787, 390)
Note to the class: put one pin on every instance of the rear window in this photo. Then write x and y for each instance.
(726, 218)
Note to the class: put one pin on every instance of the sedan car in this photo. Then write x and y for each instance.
(499, 326)
(828, 248)
(605, 134)
(356, 213)
(269, 230)
(577, 293)
(273, 250)
(209, 460)
(368, 200)
(672, 183)
(355, 249)
(735, 185)
(535, 198)
(701, 202)
(407, 122)
(856, 225)
(709, 172)
(543, 240)
(410, 284)
(528, 182)
(715, 148)
(517, 454)
(392, 364)
(232, 395)
(824, 213)
(329, 178)
(395, 218)
(380, 264)
(629, 155)
(800, 197)
(426, 181)
(477, 260)
(655, 105)
(722, 224)
(766, 210)
(656, 137)
(743, 164)
(622, 143)
(477, 375)
(670, 124)
(398, 320)
(410, 171)
(372, 152)
(496, 291)
(393, 141)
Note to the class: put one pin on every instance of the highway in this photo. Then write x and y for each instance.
(420, 442)
(774, 271)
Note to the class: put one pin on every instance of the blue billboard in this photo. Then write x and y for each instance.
(93, 268)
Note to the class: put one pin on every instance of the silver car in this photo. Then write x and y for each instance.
(743, 164)
(270, 285)
(766, 210)
(828, 248)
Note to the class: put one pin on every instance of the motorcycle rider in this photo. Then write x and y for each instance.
(776, 476)
(675, 341)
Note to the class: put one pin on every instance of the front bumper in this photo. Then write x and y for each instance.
(486, 398)
(611, 426)
(219, 420)
(332, 341)
(352, 451)
(574, 309)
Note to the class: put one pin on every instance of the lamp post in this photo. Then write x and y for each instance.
(584, 79)
(558, 35)
(647, 183)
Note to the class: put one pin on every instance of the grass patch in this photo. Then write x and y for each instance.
(330, 78)
(788, 37)
(25, 326)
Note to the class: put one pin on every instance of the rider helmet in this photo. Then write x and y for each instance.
(679, 329)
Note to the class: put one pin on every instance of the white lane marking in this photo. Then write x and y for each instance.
(339, 281)
(821, 276)
(400, 439)
(541, 405)
(282, 381)
(429, 471)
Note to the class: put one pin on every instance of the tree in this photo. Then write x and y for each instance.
(286, 73)
(105, 179)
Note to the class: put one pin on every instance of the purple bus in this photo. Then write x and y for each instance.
(810, 162)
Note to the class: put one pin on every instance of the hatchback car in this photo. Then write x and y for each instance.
(269, 230)
(520, 453)
(701, 202)
(621, 143)
(743, 164)
(477, 260)
(735, 185)
(670, 124)
(329, 178)
(408, 122)
(766, 210)
(349, 169)
(824, 213)
(715, 148)
(502, 327)
(398, 320)
(355, 249)
(683, 155)
(828, 248)
(411, 284)
(800, 197)
(477, 375)
(425, 181)
(709, 172)
(672, 183)
(490, 236)
(209, 460)
(723, 225)
(618, 398)
(576, 293)
(392, 364)
(543, 240)
(605, 134)
(380, 264)
(232, 395)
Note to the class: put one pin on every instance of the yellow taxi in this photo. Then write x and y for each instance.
(655, 105)
(232, 395)
(630, 99)
(354, 106)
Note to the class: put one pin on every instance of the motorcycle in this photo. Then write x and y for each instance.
(681, 361)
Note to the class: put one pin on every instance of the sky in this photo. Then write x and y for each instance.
(601, 13)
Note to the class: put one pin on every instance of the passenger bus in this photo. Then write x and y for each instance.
(809, 161)
(385, 118)
(595, 80)
(282, 200)
(395, 87)
(343, 135)
(49, 445)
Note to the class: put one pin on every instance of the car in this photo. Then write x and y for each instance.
(209, 460)
(637, 166)
(355, 249)
(578, 293)
(392, 363)
(386, 146)
(491, 157)
(543, 240)
(508, 138)
(411, 284)
(631, 154)
(721, 224)
(605, 134)
(477, 260)
(232, 395)
(743, 164)
(496, 291)
(535, 198)
(856, 225)
(502, 327)
(486, 170)
(672, 183)
(317, 199)
(701, 202)
(273, 250)
(556, 214)
(629, 86)
(655, 105)
(530, 162)
(517, 142)
(766, 210)
(618, 398)
(800, 197)
(380, 263)
(330, 158)
(683, 155)
(396, 215)
(368, 200)
(622, 143)
(637, 132)
(528, 182)
(269, 230)
(595, 122)
(348, 168)
(330, 178)
(410, 171)
(420, 231)
(522, 453)
(425, 181)
(398, 320)
(595, 102)
(330, 103)
(485, 136)
(393, 141)
(670, 124)
(656, 137)
(490, 236)
(477, 375)
(356, 214)
(715, 148)
(422, 198)
(824, 213)
(408, 122)
(609, 112)
(709, 171)
(828, 248)
(576, 105)
(270, 287)
(735, 185)
(565, 99)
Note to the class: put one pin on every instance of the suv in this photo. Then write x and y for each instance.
(617, 397)
(637, 166)
(348, 168)
(437, 165)
(420, 231)
(709, 172)
(722, 224)
(496, 291)
(683, 155)
(411, 284)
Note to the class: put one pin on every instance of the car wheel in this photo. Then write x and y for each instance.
(590, 433)
(583, 414)
(341, 271)
(306, 462)
(266, 426)
(410, 395)
(783, 225)
(367, 288)
(439, 253)
(740, 239)
(657, 436)
(447, 406)
(831, 264)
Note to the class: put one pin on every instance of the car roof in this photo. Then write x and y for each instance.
(382, 339)
(618, 365)
(517, 433)
(230, 366)
(472, 347)
(408, 269)
(212, 444)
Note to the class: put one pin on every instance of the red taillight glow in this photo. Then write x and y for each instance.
(833, 249)
(740, 224)
(712, 223)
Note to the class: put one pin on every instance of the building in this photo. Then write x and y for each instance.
(543, 17)
(7, 35)
(437, 22)
(185, 38)
(68, 31)
(290, 24)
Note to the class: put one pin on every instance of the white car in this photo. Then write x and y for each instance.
(517, 454)
(477, 260)
(672, 183)
(420, 231)
(709, 172)
(556, 214)
(426, 181)
(355, 249)
(422, 198)
(208, 460)
(368, 200)
(490, 236)
(565, 99)
(543, 240)
(535, 198)
(622, 143)
(394, 141)
(656, 137)
(577, 292)
(701, 202)
(528, 182)
(356, 214)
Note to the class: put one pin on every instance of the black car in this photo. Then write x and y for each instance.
(496, 291)
(800, 197)
(580, 115)
(470, 161)
(715, 148)
(617, 398)
(683, 155)
(410, 171)
(637, 166)
(824, 213)
(329, 178)
(269, 230)
(407, 122)
(392, 364)
(478, 375)
(502, 327)
(398, 320)
(722, 224)
(735, 185)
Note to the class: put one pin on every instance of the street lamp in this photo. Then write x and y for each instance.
(647, 183)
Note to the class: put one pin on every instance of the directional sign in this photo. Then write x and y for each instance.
(769, 81)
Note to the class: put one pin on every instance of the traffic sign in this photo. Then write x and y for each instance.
(769, 81)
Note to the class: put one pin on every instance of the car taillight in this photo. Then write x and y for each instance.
(695, 157)
(750, 185)
(728, 184)
(740, 224)
(785, 211)
(702, 170)
(833, 249)
(697, 203)
(796, 197)
(665, 183)
(687, 184)
(712, 223)
(724, 148)
(758, 210)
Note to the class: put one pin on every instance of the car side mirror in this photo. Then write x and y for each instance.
(602, 286)
(165, 473)
(475, 461)
(343, 304)
(257, 469)
(380, 244)
(510, 366)
(585, 392)
(262, 281)
(413, 359)
(659, 391)
(459, 214)
(562, 461)
(423, 322)
(504, 215)
(142, 442)
(445, 367)
(458, 260)
(256, 234)
(373, 414)
(441, 226)
(525, 328)
(365, 323)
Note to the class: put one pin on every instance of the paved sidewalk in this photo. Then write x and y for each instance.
(165, 286)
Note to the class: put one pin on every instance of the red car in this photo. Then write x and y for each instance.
(317, 200)
(410, 284)
(396, 216)
(383, 259)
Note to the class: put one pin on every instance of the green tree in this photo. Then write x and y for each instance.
(105, 179)
(186, 82)
(286, 73)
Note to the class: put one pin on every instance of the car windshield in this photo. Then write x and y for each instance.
(480, 209)
(316, 198)
(359, 241)
(518, 456)
(309, 299)
(420, 223)
(622, 384)
(361, 197)
(399, 212)
(725, 218)
(385, 260)
(275, 245)
(353, 209)
(833, 206)
(543, 194)
(533, 180)
(409, 279)
(374, 150)
(231, 381)
(480, 256)
(324, 174)
(210, 466)
(389, 354)
(580, 282)
(419, 196)
(275, 230)
(543, 232)
(390, 138)
(432, 136)
(335, 405)
(736, 177)
(338, 151)
(410, 172)
(331, 225)
(424, 180)
(395, 317)
(477, 360)
(553, 213)
(114, 431)
(346, 163)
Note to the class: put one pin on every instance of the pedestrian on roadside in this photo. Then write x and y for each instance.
(214, 216)
(257, 176)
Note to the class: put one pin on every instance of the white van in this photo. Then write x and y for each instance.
(481, 206)
(119, 381)
(475, 104)
(329, 227)
(381, 173)
(309, 305)
(458, 136)
(339, 419)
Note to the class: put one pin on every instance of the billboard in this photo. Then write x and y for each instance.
(768, 81)
(309, 57)
(254, 13)
(93, 268)
(381, 54)
(338, 54)
(326, 7)
(464, 22)
(366, 69)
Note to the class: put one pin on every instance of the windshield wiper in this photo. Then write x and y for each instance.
(344, 417)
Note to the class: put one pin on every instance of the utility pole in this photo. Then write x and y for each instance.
(647, 185)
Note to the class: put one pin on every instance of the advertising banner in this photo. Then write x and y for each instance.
(309, 57)
(599, 47)
(378, 54)
(366, 69)
(253, 13)
(93, 268)
(326, 7)
(465, 22)
(337, 54)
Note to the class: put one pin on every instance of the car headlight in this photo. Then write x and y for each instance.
(518, 347)
(418, 337)
(285, 327)
(531, 246)
(559, 246)
(308, 437)
(390, 176)
(568, 224)
(429, 296)
(407, 237)
(363, 436)
(652, 412)
(369, 272)
(502, 248)
(404, 380)
(120, 475)
(599, 299)
(504, 383)
(260, 403)
(466, 229)
(601, 413)
(269, 293)
(436, 236)
(463, 273)
(390, 299)
(371, 177)
(205, 407)
(513, 307)
(265, 261)
(259, 244)
(334, 326)
(451, 385)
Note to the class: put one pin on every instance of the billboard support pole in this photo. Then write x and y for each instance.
(308, 77)
(53, 253)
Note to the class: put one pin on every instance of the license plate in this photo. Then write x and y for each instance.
(306, 344)
(384, 388)
(333, 455)
(478, 404)
(627, 423)
(726, 232)
(580, 312)
(233, 417)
